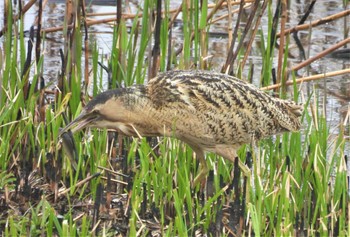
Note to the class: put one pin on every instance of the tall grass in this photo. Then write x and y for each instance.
(292, 184)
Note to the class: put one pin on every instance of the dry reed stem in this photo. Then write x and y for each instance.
(90, 22)
(227, 68)
(212, 5)
(173, 18)
(216, 8)
(255, 30)
(229, 21)
(309, 78)
(176, 12)
(114, 13)
(115, 180)
(320, 55)
(93, 230)
(17, 17)
(282, 38)
(80, 183)
(316, 23)
(116, 173)
(232, 56)
(227, 15)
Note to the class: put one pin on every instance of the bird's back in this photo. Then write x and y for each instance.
(209, 108)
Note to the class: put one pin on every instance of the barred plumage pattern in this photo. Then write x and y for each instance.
(209, 111)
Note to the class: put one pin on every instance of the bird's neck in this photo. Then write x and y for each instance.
(140, 116)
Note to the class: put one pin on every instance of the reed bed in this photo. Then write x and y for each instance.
(105, 184)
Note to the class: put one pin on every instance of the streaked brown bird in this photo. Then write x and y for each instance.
(209, 111)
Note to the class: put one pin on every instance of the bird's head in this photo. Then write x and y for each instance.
(109, 109)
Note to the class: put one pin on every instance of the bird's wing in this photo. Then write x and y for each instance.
(225, 98)
(204, 88)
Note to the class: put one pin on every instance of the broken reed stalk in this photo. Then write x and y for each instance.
(230, 60)
(91, 22)
(309, 61)
(229, 20)
(212, 5)
(173, 18)
(115, 180)
(80, 183)
(228, 65)
(115, 173)
(316, 23)
(245, 6)
(309, 78)
(216, 7)
(17, 17)
(255, 30)
(322, 54)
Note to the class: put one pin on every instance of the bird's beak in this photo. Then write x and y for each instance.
(79, 123)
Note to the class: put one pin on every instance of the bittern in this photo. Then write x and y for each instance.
(211, 112)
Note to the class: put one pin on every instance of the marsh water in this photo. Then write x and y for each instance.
(333, 93)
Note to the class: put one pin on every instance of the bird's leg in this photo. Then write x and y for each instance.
(203, 169)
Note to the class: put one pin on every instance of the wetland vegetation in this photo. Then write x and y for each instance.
(101, 183)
